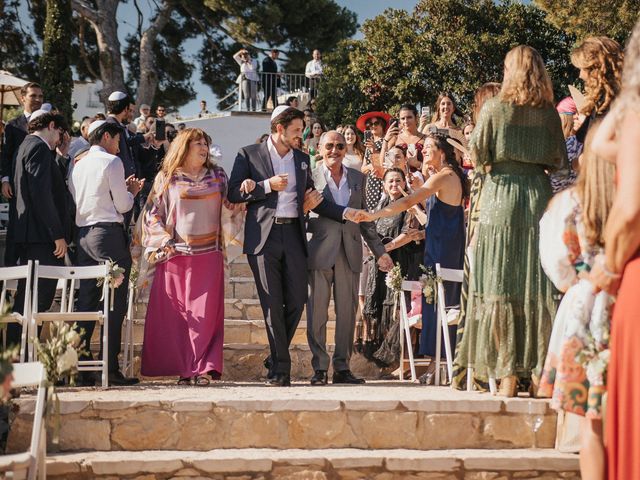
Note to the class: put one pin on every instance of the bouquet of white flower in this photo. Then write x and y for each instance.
(393, 279)
(115, 278)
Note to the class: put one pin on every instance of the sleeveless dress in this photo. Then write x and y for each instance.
(622, 435)
(444, 244)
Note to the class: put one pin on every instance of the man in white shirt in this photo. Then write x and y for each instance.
(335, 262)
(102, 197)
(145, 112)
(313, 72)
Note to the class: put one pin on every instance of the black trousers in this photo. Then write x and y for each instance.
(43, 252)
(269, 84)
(280, 273)
(99, 243)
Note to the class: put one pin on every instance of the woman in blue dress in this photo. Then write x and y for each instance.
(444, 231)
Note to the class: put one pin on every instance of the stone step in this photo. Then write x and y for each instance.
(380, 415)
(236, 309)
(235, 331)
(343, 464)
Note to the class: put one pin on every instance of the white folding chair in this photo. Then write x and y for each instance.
(444, 275)
(4, 213)
(127, 355)
(32, 463)
(9, 277)
(405, 333)
(69, 276)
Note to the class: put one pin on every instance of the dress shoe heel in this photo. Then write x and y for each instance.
(346, 377)
(319, 378)
(279, 380)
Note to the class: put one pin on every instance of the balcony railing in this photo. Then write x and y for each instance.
(280, 85)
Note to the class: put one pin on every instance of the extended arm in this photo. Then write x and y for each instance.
(240, 172)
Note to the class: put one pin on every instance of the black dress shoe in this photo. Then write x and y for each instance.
(268, 364)
(319, 378)
(280, 380)
(345, 376)
(117, 378)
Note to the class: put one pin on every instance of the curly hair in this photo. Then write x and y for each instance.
(526, 81)
(178, 151)
(602, 58)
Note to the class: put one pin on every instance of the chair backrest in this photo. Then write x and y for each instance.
(411, 286)
(9, 277)
(68, 278)
(33, 374)
(449, 274)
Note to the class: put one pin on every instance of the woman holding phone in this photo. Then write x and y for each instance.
(405, 134)
(374, 126)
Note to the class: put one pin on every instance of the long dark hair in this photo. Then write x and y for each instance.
(455, 116)
(441, 143)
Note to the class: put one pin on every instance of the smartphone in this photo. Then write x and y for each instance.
(160, 133)
(368, 135)
(426, 111)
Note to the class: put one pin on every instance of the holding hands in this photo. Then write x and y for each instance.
(312, 198)
(247, 186)
(385, 263)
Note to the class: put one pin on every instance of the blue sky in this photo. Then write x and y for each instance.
(127, 16)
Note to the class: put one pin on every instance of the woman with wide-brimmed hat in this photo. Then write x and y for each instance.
(376, 123)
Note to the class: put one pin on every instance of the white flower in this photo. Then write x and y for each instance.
(68, 361)
(72, 337)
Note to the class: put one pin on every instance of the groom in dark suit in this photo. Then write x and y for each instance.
(275, 180)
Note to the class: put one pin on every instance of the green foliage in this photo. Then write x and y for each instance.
(296, 29)
(55, 68)
(18, 52)
(173, 66)
(443, 45)
(583, 18)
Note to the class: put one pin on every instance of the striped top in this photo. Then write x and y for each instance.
(188, 212)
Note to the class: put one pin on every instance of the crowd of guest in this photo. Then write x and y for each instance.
(536, 201)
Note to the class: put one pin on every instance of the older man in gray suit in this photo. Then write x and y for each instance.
(335, 262)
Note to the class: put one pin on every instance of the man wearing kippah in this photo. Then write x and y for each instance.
(118, 105)
(102, 197)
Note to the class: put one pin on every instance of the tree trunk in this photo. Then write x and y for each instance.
(55, 65)
(103, 20)
(148, 83)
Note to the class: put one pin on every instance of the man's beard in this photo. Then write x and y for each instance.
(293, 142)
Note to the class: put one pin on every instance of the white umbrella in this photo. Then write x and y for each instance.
(9, 88)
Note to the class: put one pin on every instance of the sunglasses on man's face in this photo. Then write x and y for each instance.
(375, 123)
(338, 146)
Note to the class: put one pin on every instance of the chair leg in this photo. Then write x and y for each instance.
(447, 347)
(23, 339)
(493, 387)
(405, 336)
(469, 379)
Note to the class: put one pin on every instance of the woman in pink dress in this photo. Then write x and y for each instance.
(182, 237)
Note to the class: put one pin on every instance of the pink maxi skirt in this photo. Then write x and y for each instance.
(184, 326)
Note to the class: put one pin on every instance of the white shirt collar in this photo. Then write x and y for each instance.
(274, 152)
(327, 174)
(97, 148)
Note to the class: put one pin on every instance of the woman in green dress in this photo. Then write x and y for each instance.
(511, 305)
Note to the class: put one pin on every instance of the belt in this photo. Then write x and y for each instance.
(284, 220)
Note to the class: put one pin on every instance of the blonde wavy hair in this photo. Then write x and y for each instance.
(595, 189)
(178, 151)
(484, 93)
(526, 81)
(603, 59)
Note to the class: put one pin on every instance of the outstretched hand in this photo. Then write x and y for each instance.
(358, 216)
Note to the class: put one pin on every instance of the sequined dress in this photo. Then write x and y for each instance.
(511, 303)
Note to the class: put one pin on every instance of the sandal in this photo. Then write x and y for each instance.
(201, 381)
(185, 381)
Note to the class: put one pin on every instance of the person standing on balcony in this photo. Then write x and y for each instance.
(270, 80)
(248, 78)
(313, 72)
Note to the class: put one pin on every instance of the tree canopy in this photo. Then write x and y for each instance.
(582, 18)
(158, 67)
(443, 45)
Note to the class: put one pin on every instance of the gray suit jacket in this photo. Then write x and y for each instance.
(325, 236)
(254, 162)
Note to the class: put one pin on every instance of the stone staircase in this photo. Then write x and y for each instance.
(240, 429)
(378, 431)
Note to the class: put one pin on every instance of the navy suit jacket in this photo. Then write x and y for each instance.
(254, 162)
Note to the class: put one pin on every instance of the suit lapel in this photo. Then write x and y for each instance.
(354, 189)
(265, 159)
(301, 174)
(322, 184)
